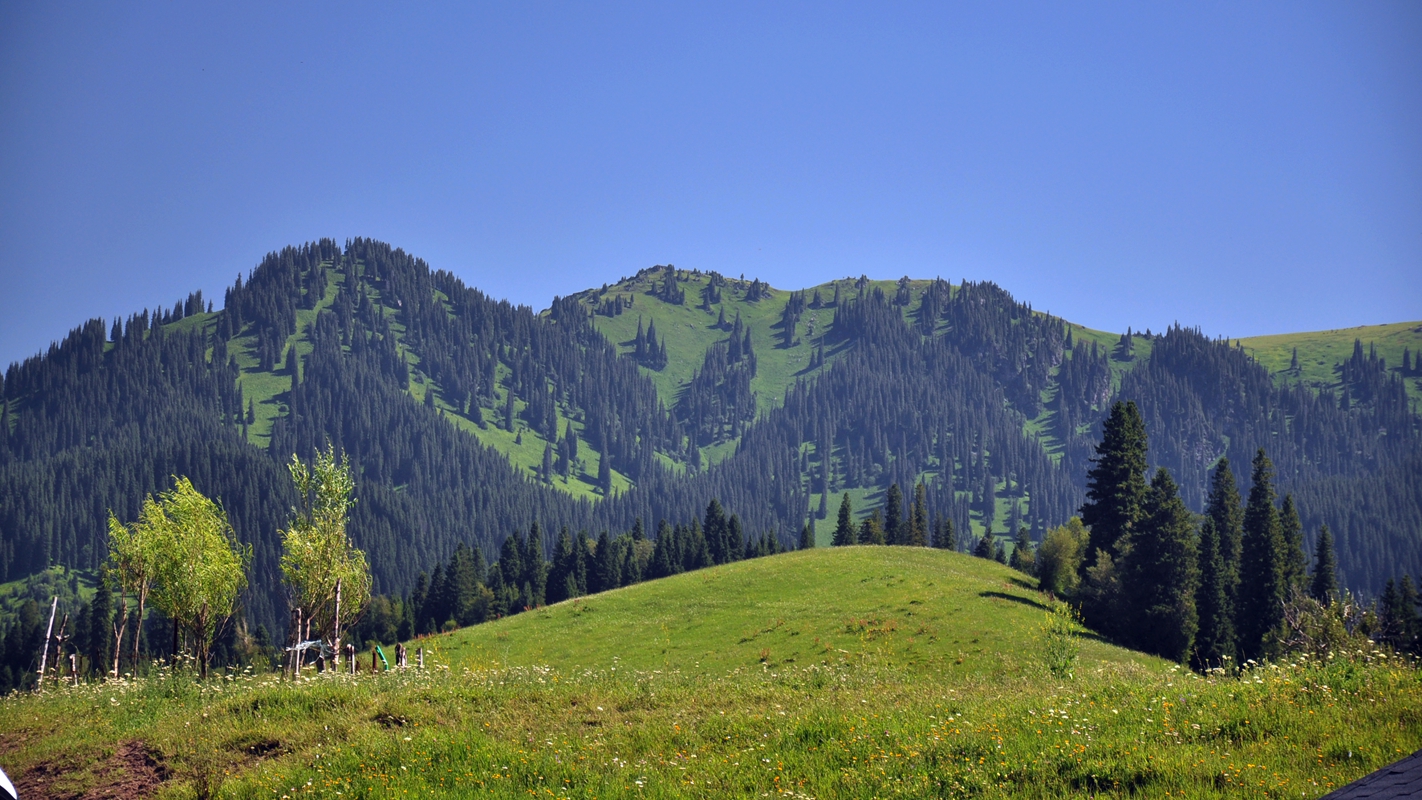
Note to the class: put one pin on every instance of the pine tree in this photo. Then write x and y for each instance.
(1324, 586)
(715, 530)
(871, 530)
(1214, 642)
(735, 538)
(985, 546)
(894, 515)
(844, 528)
(1022, 556)
(1225, 508)
(1160, 574)
(944, 535)
(1295, 562)
(1260, 612)
(1116, 487)
(918, 518)
(101, 618)
(807, 536)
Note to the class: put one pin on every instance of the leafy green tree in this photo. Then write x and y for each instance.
(844, 528)
(327, 578)
(1060, 556)
(1214, 643)
(133, 553)
(1160, 574)
(1260, 613)
(200, 569)
(1324, 586)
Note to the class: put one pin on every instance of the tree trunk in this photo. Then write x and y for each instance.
(138, 628)
(119, 628)
(44, 655)
(336, 643)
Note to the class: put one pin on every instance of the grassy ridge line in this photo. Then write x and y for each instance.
(1320, 352)
(872, 723)
(923, 610)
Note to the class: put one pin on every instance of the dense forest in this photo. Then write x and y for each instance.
(993, 408)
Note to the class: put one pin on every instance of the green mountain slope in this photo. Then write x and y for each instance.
(1321, 354)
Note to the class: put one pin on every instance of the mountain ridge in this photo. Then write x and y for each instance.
(457, 410)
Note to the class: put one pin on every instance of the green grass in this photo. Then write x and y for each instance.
(915, 673)
(1320, 352)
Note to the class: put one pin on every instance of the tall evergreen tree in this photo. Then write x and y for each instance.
(1022, 556)
(1295, 561)
(1214, 642)
(1160, 574)
(894, 515)
(918, 518)
(871, 530)
(101, 619)
(1116, 486)
(1324, 586)
(844, 528)
(1260, 612)
(1226, 509)
(807, 536)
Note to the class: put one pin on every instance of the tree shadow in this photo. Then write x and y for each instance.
(1026, 601)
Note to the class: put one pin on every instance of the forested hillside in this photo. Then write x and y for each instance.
(469, 419)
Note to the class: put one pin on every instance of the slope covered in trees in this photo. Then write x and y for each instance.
(468, 419)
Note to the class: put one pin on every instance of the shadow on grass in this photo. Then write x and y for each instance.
(1029, 586)
(1026, 601)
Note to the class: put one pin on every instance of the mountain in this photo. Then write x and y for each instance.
(469, 418)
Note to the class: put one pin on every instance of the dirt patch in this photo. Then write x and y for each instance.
(133, 771)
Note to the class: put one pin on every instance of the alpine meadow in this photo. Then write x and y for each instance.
(361, 529)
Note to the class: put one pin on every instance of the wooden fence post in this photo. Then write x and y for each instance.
(44, 656)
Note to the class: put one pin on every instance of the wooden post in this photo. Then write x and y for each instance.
(350, 655)
(74, 668)
(420, 655)
(44, 656)
(336, 640)
(372, 659)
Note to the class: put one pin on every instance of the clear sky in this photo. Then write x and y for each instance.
(1248, 168)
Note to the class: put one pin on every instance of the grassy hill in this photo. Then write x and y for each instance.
(1320, 352)
(859, 672)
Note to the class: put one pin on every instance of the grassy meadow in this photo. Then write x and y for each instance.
(855, 672)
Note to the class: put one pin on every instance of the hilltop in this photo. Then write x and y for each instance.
(853, 672)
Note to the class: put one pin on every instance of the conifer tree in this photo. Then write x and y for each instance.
(1260, 612)
(1214, 643)
(1116, 486)
(1295, 562)
(918, 518)
(944, 536)
(871, 530)
(1324, 586)
(985, 546)
(1022, 558)
(1225, 508)
(844, 528)
(1160, 573)
(894, 515)
(714, 529)
(735, 538)
(101, 616)
(807, 536)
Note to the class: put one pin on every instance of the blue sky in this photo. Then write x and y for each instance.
(1248, 168)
